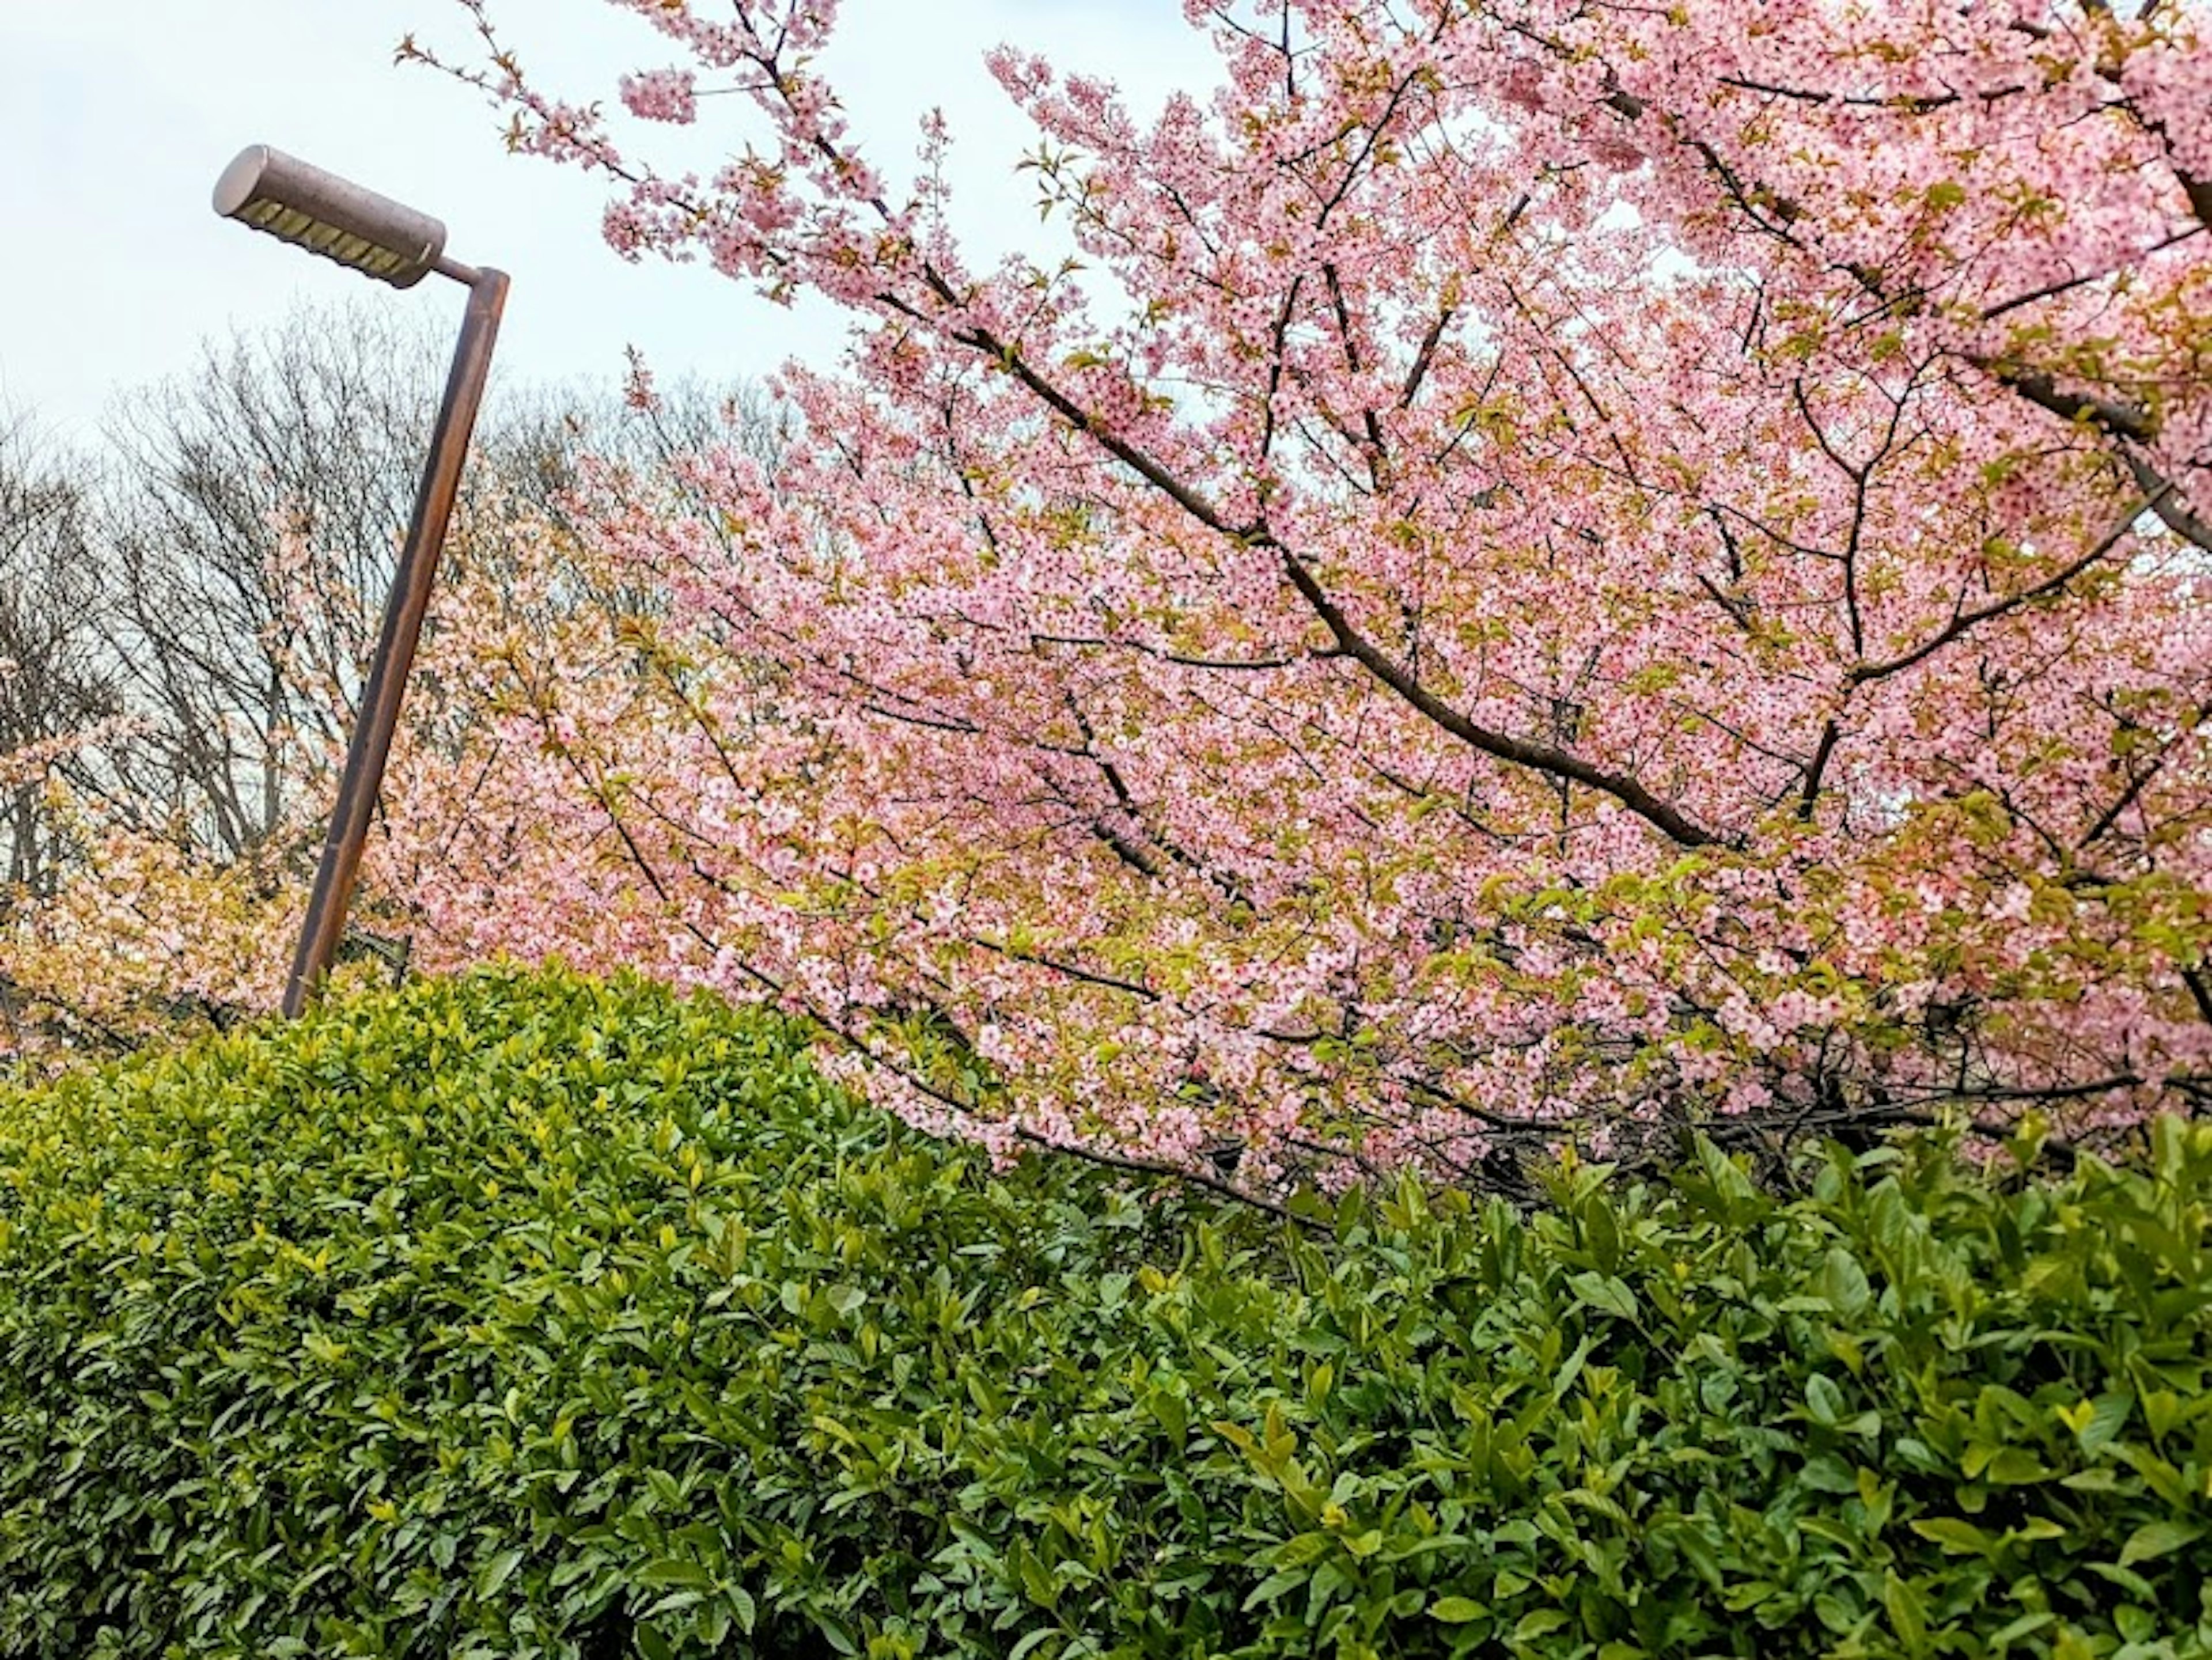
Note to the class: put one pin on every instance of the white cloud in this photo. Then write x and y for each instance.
(117, 115)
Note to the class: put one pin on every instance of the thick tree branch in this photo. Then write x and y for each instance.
(1541, 757)
(1964, 620)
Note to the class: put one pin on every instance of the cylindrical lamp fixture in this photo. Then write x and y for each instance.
(330, 216)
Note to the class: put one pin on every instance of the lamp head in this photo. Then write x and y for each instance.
(330, 216)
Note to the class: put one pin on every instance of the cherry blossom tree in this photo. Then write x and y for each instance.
(1544, 568)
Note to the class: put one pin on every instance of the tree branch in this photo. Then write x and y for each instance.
(1541, 757)
(1959, 624)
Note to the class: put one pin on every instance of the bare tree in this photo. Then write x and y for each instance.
(248, 523)
(541, 436)
(246, 533)
(55, 682)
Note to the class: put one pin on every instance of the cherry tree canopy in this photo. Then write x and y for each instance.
(1549, 569)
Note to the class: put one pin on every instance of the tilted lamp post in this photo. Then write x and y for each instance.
(378, 237)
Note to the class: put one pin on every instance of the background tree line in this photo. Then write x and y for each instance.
(187, 602)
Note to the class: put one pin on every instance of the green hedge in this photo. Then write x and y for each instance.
(538, 1317)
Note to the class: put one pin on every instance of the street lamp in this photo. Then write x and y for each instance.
(370, 233)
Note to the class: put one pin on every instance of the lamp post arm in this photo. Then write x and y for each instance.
(370, 746)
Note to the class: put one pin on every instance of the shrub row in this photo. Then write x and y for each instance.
(532, 1317)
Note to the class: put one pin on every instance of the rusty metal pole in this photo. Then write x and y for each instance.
(378, 719)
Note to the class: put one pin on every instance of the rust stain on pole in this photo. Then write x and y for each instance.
(409, 599)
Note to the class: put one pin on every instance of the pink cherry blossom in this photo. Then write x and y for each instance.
(1555, 572)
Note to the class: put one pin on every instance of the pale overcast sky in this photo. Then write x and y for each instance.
(117, 115)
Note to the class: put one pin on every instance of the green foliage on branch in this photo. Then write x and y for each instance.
(513, 1316)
